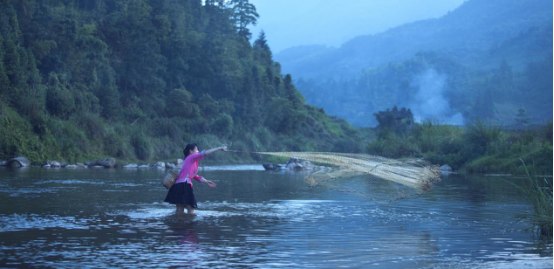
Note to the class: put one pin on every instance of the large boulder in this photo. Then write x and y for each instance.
(18, 162)
(131, 165)
(271, 166)
(160, 165)
(107, 163)
(294, 164)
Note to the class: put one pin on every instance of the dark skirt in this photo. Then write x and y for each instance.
(181, 193)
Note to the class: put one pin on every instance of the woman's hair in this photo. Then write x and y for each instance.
(188, 148)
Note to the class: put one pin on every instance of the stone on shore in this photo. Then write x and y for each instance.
(446, 169)
(80, 165)
(131, 165)
(144, 166)
(71, 166)
(18, 162)
(169, 165)
(107, 163)
(160, 165)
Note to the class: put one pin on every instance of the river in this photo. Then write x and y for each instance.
(262, 219)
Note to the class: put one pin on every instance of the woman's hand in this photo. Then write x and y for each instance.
(224, 148)
(210, 183)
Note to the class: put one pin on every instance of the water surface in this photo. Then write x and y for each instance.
(256, 218)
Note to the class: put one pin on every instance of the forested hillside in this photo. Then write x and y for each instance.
(486, 59)
(138, 79)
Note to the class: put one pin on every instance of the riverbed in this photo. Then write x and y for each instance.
(69, 218)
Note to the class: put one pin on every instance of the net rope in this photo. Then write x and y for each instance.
(381, 179)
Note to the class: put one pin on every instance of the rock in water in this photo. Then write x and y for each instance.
(271, 166)
(18, 162)
(446, 167)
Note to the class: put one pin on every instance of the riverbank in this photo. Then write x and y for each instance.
(476, 148)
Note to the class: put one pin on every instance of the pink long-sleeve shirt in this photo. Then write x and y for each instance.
(190, 167)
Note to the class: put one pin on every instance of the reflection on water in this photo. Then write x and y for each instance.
(107, 218)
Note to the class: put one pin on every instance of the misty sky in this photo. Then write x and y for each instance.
(289, 23)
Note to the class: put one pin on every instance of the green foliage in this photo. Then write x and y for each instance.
(59, 100)
(135, 79)
(398, 121)
(539, 190)
(143, 148)
(222, 126)
(482, 137)
(244, 14)
(179, 104)
(479, 148)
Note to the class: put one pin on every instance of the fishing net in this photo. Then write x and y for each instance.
(381, 179)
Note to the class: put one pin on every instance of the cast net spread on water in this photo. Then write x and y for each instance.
(381, 179)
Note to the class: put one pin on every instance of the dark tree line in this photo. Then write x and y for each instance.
(92, 66)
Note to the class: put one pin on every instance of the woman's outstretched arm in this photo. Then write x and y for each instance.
(210, 151)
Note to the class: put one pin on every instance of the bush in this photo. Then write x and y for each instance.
(222, 126)
(481, 137)
(59, 100)
(539, 191)
(143, 149)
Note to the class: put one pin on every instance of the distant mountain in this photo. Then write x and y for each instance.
(486, 59)
(465, 35)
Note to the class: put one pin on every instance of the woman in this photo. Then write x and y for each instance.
(181, 193)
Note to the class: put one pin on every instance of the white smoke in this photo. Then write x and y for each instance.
(429, 102)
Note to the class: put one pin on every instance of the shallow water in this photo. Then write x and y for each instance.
(255, 218)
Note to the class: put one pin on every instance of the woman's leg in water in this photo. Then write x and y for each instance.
(190, 210)
(180, 209)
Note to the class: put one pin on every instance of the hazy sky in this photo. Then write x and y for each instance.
(289, 23)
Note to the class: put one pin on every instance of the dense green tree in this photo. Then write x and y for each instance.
(262, 52)
(59, 100)
(4, 80)
(244, 14)
(179, 104)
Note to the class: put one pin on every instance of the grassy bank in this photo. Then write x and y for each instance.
(86, 137)
(476, 148)
(539, 191)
